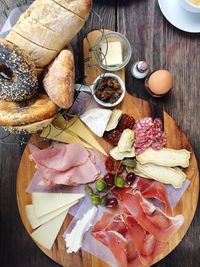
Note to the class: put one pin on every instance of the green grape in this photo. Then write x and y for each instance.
(95, 199)
(100, 186)
(119, 181)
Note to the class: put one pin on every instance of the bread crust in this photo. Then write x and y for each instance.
(34, 110)
(81, 8)
(59, 80)
(39, 55)
(30, 128)
(37, 33)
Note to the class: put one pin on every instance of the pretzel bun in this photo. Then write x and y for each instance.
(22, 113)
(59, 80)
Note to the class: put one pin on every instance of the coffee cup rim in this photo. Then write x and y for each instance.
(193, 5)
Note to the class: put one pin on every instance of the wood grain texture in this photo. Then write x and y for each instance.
(175, 139)
(163, 46)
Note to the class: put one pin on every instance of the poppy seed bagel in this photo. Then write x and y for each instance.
(21, 113)
(23, 83)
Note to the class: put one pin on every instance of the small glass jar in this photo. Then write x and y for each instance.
(104, 42)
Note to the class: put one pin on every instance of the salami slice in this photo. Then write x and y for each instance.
(149, 133)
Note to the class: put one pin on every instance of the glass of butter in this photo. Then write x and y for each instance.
(112, 51)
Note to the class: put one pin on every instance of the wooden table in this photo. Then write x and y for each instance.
(163, 46)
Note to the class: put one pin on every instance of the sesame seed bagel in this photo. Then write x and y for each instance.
(21, 113)
(30, 128)
(23, 83)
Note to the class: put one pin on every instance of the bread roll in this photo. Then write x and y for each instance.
(41, 56)
(59, 81)
(81, 8)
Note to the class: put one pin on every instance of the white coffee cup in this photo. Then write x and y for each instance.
(190, 6)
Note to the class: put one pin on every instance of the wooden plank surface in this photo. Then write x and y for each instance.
(163, 46)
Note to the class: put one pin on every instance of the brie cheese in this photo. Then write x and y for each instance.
(97, 119)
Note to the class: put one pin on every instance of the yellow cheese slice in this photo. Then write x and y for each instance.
(66, 136)
(45, 203)
(76, 126)
(46, 234)
(37, 221)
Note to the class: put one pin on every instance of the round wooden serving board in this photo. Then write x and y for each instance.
(175, 139)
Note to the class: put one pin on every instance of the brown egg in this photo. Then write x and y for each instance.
(160, 82)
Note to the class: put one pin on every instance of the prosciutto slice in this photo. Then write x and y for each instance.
(113, 233)
(151, 218)
(146, 245)
(60, 157)
(153, 190)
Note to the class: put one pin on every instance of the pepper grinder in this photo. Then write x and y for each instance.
(140, 69)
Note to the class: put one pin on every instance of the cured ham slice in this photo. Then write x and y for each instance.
(153, 190)
(151, 218)
(60, 157)
(146, 245)
(113, 233)
(82, 174)
(66, 164)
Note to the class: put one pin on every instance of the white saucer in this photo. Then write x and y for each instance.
(179, 17)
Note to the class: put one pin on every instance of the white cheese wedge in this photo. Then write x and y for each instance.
(45, 203)
(97, 119)
(116, 154)
(112, 52)
(46, 234)
(114, 119)
(74, 238)
(166, 175)
(37, 221)
(165, 157)
(126, 141)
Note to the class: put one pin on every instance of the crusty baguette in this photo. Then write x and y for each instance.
(59, 80)
(39, 55)
(37, 33)
(81, 8)
(58, 19)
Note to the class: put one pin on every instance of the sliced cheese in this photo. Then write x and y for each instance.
(45, 203)
(37, 221)
(166, 175)
(66, 136)
(77, 127)
(96, 119)
(165, 157)
(46, 234)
